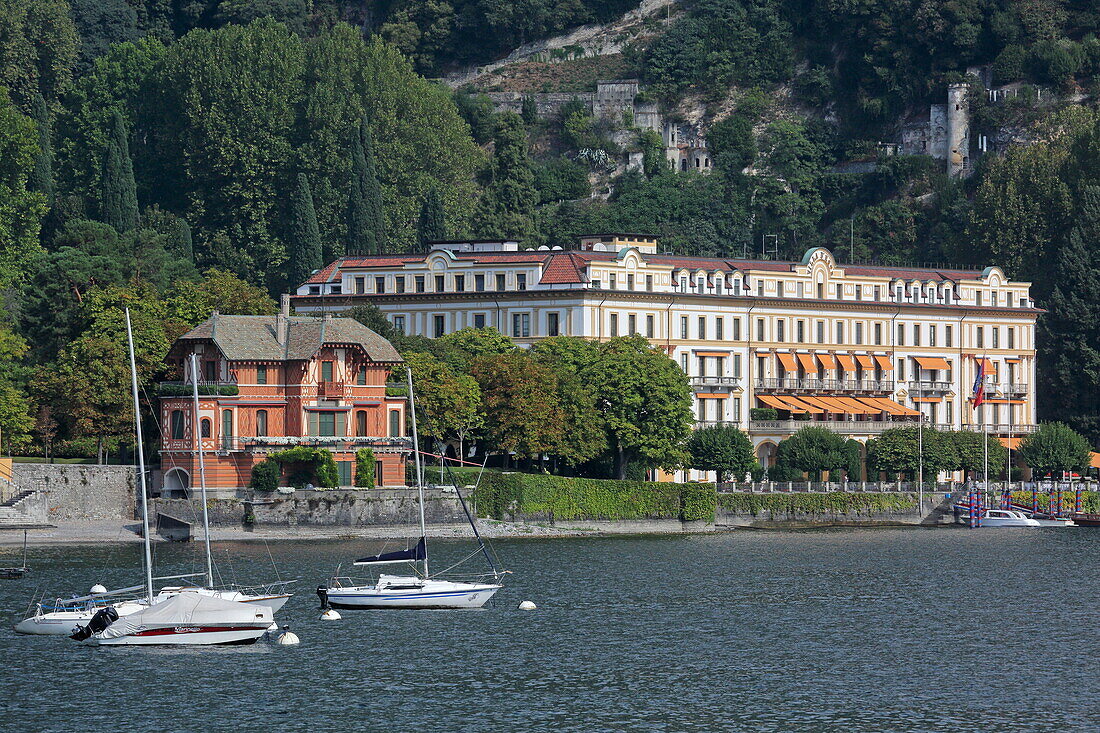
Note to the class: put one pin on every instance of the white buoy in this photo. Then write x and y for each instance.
(527, 606)
(97, 589)
(287, 637)
(330, 614)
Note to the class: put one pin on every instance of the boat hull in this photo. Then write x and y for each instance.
(185, 636)
(454, 595)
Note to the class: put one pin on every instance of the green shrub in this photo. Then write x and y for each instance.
(265, 475)
(364, 468)
(186, 390)
(310, 465)
(697, 502)
(763, 413)
(833, 502)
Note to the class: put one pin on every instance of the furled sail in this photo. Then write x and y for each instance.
(410, 555)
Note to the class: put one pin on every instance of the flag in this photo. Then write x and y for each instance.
(979, 383)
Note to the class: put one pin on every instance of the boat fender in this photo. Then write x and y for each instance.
(527, 606)
(102, 619)
(329, 615)
(287, 637)
(97, 589)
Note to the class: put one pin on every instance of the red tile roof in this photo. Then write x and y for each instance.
(563, 267)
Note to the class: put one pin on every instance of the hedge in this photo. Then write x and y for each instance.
(502, 494)
(364, 468)
(833, 502)
(1090, 500)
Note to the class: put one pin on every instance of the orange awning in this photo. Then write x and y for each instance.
(858, 407)
(712, 395)
(804, 406)
(818, 402)
(884, 362)
(788, 362)
(904, 410)
(808, 363)
(888, 405)
(927, 399)
(719, 354)
(1006, 402)
(835, 404)
(865, 361)
(1095, 460)
(789, 404)
(773, 402)
(988, 364)
(846, 362)
(932, 362)
(870, 404)
(1012, 359)
(827, 360)
(1013, 443)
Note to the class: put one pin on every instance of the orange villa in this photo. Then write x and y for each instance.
(268, 383)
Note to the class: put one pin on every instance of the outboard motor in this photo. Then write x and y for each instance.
(102, 619)
(322, 593)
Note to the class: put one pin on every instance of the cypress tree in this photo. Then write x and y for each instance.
(305, 237)
(118, 205)
(507, 208)
(181, 241)
(41, 178)
(365, 233)
(431, 227)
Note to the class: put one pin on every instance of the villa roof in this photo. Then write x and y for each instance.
(252, 338)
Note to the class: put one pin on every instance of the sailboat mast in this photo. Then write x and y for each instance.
(416, 459)
(202, 469)
(141, 462)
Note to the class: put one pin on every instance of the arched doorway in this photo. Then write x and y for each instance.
(176, 484)
(765, 454)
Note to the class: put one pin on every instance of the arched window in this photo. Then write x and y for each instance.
(261, 422)
(177, 424)
(361, 422)
(204, 429)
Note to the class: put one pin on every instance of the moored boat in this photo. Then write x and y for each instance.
(1085, 519)
(186, 619)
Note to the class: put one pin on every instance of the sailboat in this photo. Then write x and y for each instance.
(419, 590)
(60, 617)
(184, 619)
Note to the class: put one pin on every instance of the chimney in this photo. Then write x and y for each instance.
(282, 320)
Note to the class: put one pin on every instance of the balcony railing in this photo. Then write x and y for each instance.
(184, 389)
(706, 381)
(332, 390)
(1001, 428)
(924, 386)
(1014, 388)
(825, 385)
(845, 427)
(276, 442)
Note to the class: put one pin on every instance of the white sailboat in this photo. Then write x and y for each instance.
(183, 619)
(60, 617)
(412, 591)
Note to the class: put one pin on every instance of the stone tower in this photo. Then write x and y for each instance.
(958, 131)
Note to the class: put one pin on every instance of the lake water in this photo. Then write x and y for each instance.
(885, 629)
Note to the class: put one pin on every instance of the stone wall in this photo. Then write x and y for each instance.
(346, 508)
(781, 510)
(80, 492)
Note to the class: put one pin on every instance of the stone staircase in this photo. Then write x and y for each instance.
(22, 507)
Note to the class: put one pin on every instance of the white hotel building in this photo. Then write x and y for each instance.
(854, 348)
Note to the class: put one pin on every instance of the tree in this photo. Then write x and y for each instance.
(305, 239)
(15, 417)
(21, 209)
(365, 230)
(812, 450)
(38, 48)
(118, 201)
(895, 451)
(722, 448)
(528, 111)
(181, 243)
(192, 301)
(447, 404)
(364, 468)
(522, 413)
(977, 450)
(41, 179)
(431, 227)
(1053, 448)
(507, 208)
(645, 402)
(584, 437)
(467, 344)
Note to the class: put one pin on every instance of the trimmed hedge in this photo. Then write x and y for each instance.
(364, 468)
(833, 502)
(503, 494)
(1090, 500)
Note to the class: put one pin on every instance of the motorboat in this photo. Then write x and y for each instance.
(420, 590)
(1007, 518)
(185, 619)
(1082, 519)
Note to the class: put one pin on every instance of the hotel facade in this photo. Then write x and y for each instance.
(853, 348)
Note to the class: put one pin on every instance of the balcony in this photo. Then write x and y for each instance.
(184, 389)
(924, 387)
(331, 390)
(1001, 428)
(844, 427)
(266, 443)
(1014, 388)
(706, 381)
(824, 385)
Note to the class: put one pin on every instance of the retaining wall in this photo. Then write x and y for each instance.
(80, 492)
(791, 510)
